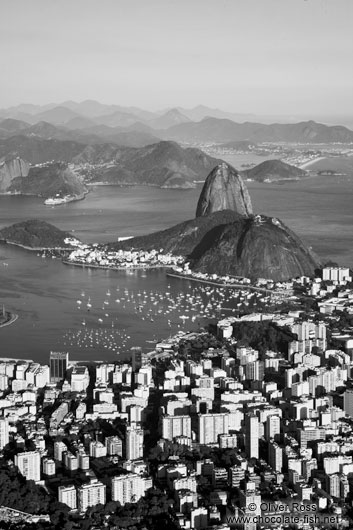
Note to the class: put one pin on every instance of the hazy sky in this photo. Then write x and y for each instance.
(257, 56)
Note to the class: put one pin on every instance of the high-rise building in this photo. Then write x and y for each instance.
(252, 435)
(134, 443)
(333, 485)
(79, 379)
(68, 495)
(59, 449)
(348, 402)
(29, 464)
(114, 446)
(128, 488)
(97, 449)
(138, 359)
(49, 466)
(4, 433)
(70, 461)
(275, 456)
(91, 494)
(272, 427)
(59, 362)
(173, 426)
(211, 425)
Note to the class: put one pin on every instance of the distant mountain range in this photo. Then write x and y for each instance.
(93, 122)
(216, 131)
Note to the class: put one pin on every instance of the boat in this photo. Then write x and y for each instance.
(53, 201)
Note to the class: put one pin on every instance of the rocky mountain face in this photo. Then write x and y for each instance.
(35, 234)
(224, 189)
(257, 247)
(225, 238)
(12, 167)
(272, 170)
(49, 180)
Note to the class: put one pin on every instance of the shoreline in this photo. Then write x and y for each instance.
(106, 267)
(219, 284)
(34, 249)
(12, 317)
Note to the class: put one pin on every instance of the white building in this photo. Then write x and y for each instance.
(173, 426)
(252, 435)
(29, 465)
(4, 433)
(91, 494)
(68, 495)
(128, 488)
(59, 449)
(97, 449)
(134, 443)
(211, 425)
(79, 379)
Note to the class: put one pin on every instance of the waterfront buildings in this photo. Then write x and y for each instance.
(59, 362)
(199, 420)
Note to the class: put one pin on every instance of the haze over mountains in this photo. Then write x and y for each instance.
(129, 146)
(92, 122)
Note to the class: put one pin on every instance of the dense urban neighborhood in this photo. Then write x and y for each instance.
(246, 424)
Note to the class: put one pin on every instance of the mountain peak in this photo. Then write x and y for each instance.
(224, 189)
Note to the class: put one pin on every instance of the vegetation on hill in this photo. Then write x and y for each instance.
(35, 234)
(273, 170)
(263, 336)
(257, 247)
(157, 164)
(180, 239)
(48, 181)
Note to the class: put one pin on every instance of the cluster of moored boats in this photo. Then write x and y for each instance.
(173, 309)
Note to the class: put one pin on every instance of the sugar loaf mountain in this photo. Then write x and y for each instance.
(227, 238)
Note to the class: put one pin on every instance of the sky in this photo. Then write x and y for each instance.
(278, 57)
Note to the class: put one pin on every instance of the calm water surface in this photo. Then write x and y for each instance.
(45, 293)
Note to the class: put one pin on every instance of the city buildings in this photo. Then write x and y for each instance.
(28, 464)
(59, 362)
(4, 432)
(91, 494)
(128, 488)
